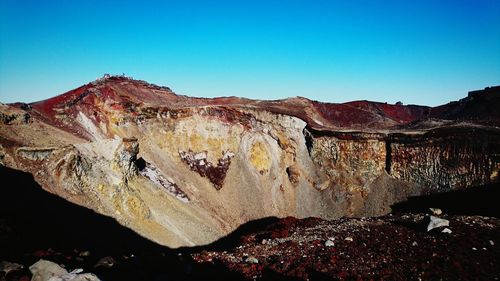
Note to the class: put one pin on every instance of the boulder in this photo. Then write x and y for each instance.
(44, 270)
(436, 222)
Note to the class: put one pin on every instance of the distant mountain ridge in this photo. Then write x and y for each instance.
(133, 95)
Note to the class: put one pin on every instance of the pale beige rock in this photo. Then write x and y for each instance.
(43, 270)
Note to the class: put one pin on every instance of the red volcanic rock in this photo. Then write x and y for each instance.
(481, 105)
(129, 96)
(365, 114)
(47, 108)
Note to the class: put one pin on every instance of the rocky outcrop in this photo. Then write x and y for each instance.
(446, 160)
(215, 173)
(126, 157)
(13, 115)
(34, 153)
(350, 159)
(206, 166)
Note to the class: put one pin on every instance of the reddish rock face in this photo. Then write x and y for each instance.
(370, 115)
(215, 173)
(135, 97)
(479, 106)
(186, 171)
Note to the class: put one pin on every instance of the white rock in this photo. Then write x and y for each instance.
(446, 230)
(436, 211)
(75, 276)
(329, 243)
(252, 260)
(44, 270)
(228, 154)
(89, 126)
(200, 156)
(414, 244)
(436, 222)
(349, 239)
(492, 243)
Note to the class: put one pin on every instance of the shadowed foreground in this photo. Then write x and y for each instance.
(35, 224)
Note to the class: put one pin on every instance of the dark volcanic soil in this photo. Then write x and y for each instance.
(394, 247)
(35, 224)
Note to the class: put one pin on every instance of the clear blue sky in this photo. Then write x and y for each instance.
(422, 52)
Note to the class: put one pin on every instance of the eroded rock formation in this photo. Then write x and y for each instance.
(186, 171)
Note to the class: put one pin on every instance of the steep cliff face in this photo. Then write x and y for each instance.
(442, 160)
(184, 171)
(435, 160)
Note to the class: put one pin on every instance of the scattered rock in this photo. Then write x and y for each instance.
(436, 211)
(106, 262)
(25, 106)
(252, 260)
(26, 118)
(446, 230)
(76, 275)
(329, 243)
(7, 118)
(131, 256)
(7, 267)
(84, 253)
(436, 222)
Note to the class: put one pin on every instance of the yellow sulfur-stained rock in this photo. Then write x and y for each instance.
(260, 158)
